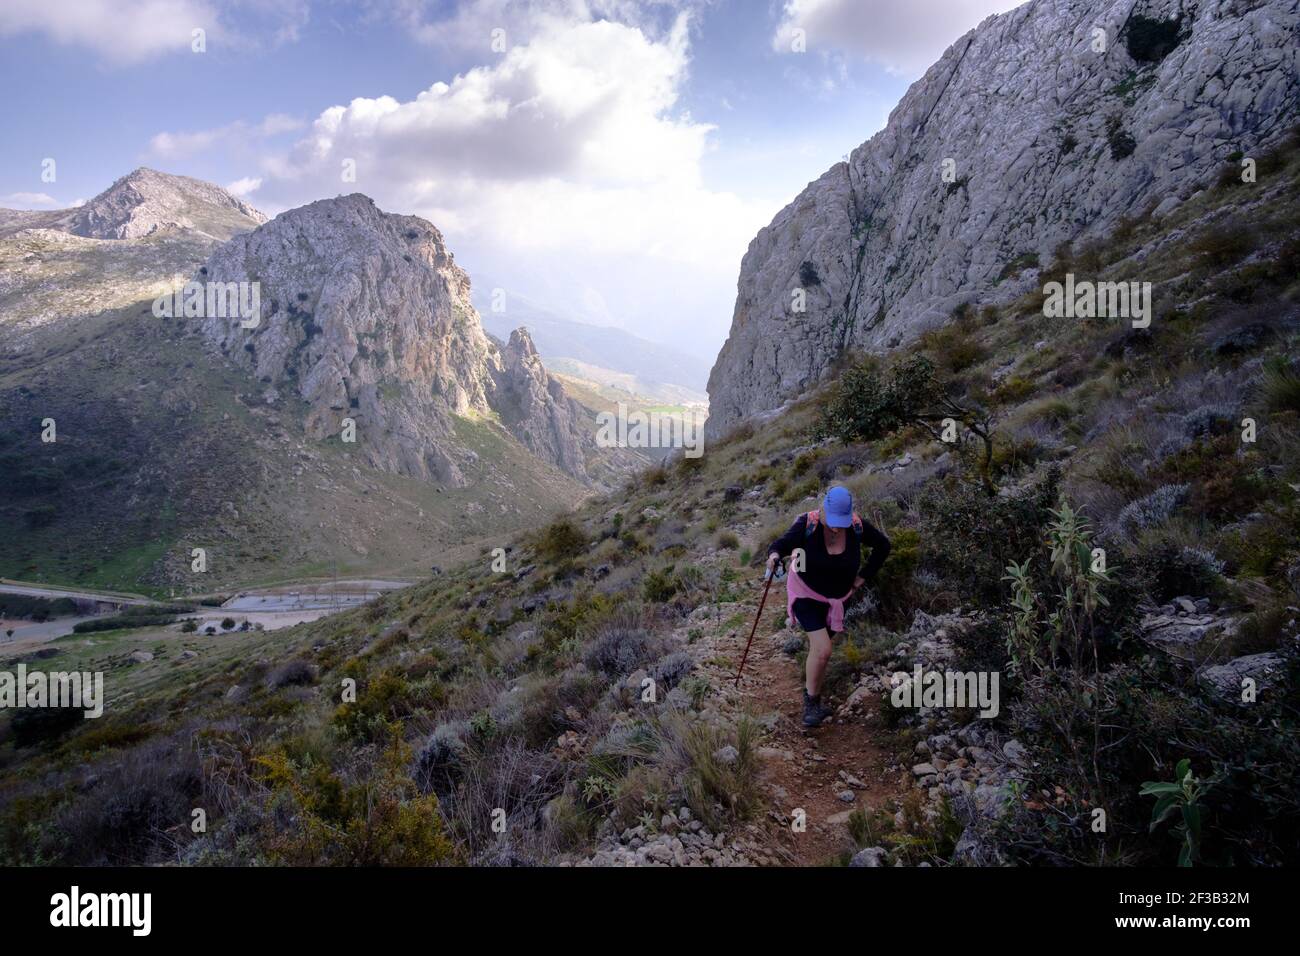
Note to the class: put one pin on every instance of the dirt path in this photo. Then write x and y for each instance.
(810, 769)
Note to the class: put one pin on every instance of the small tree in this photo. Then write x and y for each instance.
(867, 405)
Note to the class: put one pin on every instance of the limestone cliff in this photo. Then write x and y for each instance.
(1060, 118)
(365, 315)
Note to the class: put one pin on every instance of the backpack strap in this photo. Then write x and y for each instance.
(813, 518)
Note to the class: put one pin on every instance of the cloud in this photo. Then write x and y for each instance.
(122, 31)
(236, 137)
(242, 187)
(904, 36)
(566, 156)
(127, 32)
(30, 201)
(473, 25)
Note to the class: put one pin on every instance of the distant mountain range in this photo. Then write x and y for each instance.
(602, 354)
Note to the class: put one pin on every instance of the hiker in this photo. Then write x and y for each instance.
(831, 539)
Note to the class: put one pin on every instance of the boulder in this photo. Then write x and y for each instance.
(1226, 681)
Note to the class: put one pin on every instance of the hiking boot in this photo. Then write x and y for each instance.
(813, 711)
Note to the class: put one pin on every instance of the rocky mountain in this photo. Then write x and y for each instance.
(1050, 123)
(361, 315)
(143, 202)
(365, 315)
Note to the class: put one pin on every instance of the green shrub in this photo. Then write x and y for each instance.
(561, 540)
(895, 588)
(865, 405)
(1223, 245)
(1026, 260)
(1170, 568)
(1060, 619)
(1279, 386)
(1140, 722)
(383, 701)
(971, 538)
(660, 585)
(1013, 390)
(380, 820)
(1121, 141)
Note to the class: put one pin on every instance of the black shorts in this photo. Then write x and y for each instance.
(811, 615)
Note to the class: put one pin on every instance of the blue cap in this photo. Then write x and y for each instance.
(837, 507)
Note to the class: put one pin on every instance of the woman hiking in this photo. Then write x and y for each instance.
(831, 540)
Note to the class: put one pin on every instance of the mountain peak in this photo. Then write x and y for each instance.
(146, 200)
(522, 342)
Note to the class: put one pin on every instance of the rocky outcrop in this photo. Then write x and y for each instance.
(1182, 625)
(142, 203)
(534, 407)
(364, 315)
(1228, 682)
(1049, 141)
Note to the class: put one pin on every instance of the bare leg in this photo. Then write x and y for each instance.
(819, 654)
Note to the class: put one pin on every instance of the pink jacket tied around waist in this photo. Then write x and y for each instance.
(795, 588)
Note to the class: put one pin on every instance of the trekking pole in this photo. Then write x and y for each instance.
(767, 578)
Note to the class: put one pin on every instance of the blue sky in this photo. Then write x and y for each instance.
(608, 159)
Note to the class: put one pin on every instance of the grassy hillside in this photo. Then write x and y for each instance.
(525, 690)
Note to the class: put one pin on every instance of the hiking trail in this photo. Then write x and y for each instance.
(801, 767)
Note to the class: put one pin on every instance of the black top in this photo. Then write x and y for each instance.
(833, 574)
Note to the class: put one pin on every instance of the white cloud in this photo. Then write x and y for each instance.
(566, 156)
(471, 24)
(126, 32)
(122, 31)
(242, 187)
(237, 137)
(30, 201)
(904, 36)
